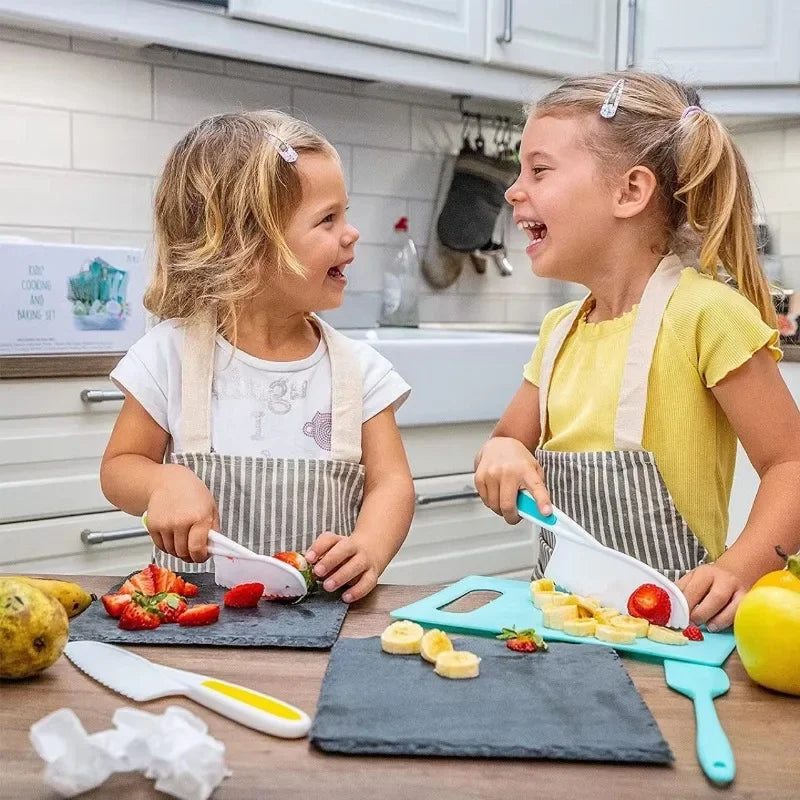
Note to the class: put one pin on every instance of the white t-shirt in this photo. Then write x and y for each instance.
(275, 409)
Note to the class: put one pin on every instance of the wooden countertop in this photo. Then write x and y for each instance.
(764, 729)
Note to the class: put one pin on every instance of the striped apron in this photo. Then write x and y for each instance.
(619, 496)
(273, 504)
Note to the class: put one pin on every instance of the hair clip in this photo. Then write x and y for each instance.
(690, 111)
(611, 103)
(285, 151)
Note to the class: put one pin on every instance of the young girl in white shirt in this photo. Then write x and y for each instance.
(244, 412)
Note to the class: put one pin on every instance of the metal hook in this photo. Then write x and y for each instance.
(480, 142)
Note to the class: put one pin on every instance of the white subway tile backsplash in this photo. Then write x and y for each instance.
(791, 272)
(375, 216)
(446, 307)
(762, 150)
(43, 77)
(789, 237)
(57, 235)
(420, 219)
(53, 198)
(435, 130)
(153, 54)
(117, 144)
(791, 153)
(182, 96)
(35, 136)
(778, 191)
(530, 309)
(270, 74)
(395, 173)
(355, 120)
(365, 274)
(114, 238)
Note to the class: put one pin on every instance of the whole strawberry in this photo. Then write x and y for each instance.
(527, 641)
(300, 563)
(652, 603)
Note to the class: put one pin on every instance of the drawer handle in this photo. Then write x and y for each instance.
(98, 537)
(467, 493)
(101, 395)
(508, 23)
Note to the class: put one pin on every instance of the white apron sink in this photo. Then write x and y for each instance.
(455, 375)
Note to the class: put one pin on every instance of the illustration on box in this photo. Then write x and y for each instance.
(98, 297)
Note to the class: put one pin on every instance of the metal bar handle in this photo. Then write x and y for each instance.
(467, 493)
(101, 395)
(630, 56)
(508, 23)
(98, 537)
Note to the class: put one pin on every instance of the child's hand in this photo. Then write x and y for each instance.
(341, 560)
(180, 513)
(503, 467)
(713, 594)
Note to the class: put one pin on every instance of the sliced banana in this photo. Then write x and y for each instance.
(457, 664)
(402, 638)
(542, 585)
(580, 627)
(608, 633)
(433, 643)
(628, 623)
(543, 600)
(604, 614)
(586, 606)
(656, 633)
(556, 616)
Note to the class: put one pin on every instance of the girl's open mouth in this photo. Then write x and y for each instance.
(536, 231)
(337, 274)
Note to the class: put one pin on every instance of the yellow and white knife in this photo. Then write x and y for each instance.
(141, 680)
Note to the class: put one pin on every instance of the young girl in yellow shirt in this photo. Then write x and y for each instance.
(630, 408)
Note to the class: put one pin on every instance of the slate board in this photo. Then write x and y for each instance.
(313, 623)
(572, 702)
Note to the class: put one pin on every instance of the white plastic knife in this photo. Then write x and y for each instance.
(141, 680)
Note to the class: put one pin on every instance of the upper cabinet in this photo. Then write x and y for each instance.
(554, 37)
(453, 28)
(714, 42)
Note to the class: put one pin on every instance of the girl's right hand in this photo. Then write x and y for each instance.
(502, 468)
(180, 513)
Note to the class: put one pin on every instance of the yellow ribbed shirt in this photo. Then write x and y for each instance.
(708, 330)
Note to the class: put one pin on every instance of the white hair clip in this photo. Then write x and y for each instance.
(690, 111)
(611, 103)
(285, 151)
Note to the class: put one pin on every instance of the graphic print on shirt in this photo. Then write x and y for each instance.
(319, 429)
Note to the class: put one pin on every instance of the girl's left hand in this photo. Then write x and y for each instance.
(713, 594)
(344, 560)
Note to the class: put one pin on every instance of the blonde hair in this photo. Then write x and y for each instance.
(222, 204)
(703, 182)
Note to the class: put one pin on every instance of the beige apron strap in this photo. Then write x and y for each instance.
(629, 425)
(347, 396)
(197, 371)
(551, 350)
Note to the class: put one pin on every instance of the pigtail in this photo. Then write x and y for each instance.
(715, 189)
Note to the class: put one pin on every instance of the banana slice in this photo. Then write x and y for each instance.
(433, 643)
(580, 627)
(586, 606)
(402, 638)
(627, 623)
(542, 585)
(604, 614)
(608, 633)
(556, 616)
(545, 600)
(457, 664)
(665, 635)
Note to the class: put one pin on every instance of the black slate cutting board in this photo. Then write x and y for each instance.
(572, 702)
(313, 623)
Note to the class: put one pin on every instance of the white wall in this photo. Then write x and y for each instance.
(85, 127)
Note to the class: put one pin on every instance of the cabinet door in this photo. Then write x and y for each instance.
(719, 42)
(453, 28)
(559, 37)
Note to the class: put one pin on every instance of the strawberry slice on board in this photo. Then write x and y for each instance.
(300, 563)
(245, 595)
(205, 614)
(137, 618)
(652, 603)
(188, 589)
(169, 607)
(114, 604)
(527, 641)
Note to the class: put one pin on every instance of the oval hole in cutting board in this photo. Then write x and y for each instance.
(470, 601)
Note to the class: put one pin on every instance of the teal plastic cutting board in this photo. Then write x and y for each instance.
(514, 609)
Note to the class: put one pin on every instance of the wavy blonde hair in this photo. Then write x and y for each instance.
(702, 178)
(222, 204)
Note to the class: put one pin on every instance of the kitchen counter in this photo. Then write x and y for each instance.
(763, 727)
(791, 352)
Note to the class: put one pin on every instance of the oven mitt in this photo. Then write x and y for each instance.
(468, 217)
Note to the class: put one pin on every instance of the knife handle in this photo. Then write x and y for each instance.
(713, 748)
(258, 711)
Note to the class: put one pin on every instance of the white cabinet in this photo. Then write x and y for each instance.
(716, 42)
(556, 37)
(451, 28)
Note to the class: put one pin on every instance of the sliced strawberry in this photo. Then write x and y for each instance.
(143, 582)
(279, 598)
(245, 595)
(300, 563)
(652, 603)
(127, 588)
(527, 641)
(163, 579)
(522, 645)
(189, 589)
(200, 615)
(115, 603)
(170, 607)
(693, 633)
(136, 618)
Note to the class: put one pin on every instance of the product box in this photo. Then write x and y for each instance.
(63, 298)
